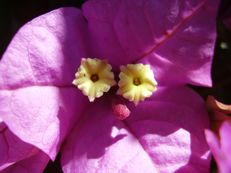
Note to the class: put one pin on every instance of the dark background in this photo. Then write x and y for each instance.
(15, 13)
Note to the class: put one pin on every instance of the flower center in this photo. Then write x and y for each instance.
(94, 77)
(136, 81)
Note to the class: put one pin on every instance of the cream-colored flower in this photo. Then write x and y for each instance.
(137, 82)
(94, 77)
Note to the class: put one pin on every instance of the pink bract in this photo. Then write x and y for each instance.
(18, 156)
(221, 147)
(36, 164)
(163, 134)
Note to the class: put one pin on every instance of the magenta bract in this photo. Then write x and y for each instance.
(163, 134)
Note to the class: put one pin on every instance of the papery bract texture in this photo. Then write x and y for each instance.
(33, 164)
(164, 134)
(12, 149)
(37, 100)
(221, 147)
(172, 36)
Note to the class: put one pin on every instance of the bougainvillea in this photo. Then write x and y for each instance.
(45, 113)
(219, 139)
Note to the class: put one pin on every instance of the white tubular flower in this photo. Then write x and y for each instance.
(94, 77)
(136, 82)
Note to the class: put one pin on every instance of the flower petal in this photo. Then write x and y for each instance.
(221, 149)
(35, 164)
(12, 149)
(37, 100)
(180, 138)
(101, 142)
(163, 134)
(45, 51)
(179, 32)
(225, 134)
(177, 105)
(42, 116)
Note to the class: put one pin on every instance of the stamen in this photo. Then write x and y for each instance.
(136, 81)
(94, 77)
